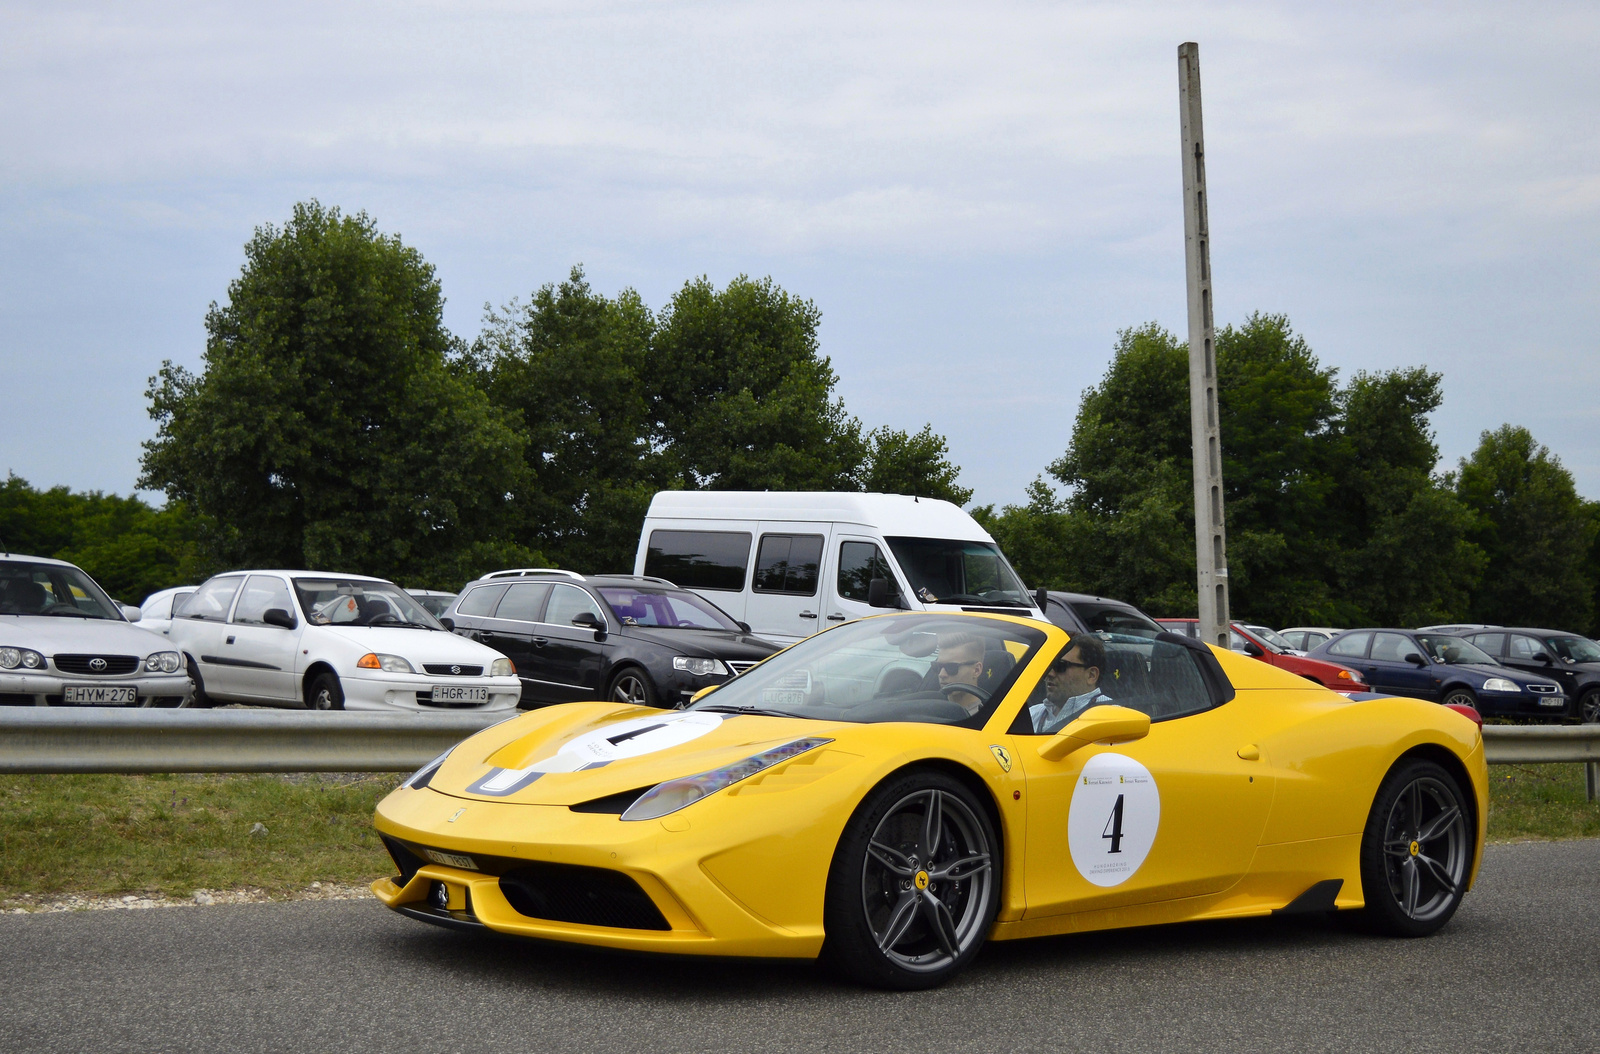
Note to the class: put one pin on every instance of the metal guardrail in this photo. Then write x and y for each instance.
(46, 739)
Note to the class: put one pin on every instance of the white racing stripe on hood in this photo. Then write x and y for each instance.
(601, 746)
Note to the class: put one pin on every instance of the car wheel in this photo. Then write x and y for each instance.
(325, 692)
(1416, 851)
(914, 885)
(1460, 697)
(632, 686)
(1589, 707)
(201, 699)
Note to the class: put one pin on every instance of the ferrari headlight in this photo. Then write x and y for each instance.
(1500, 684)
(697, 666)
(164, 662)
(27, 658)
(387, 663)
(673, 795)
(502, 668)
(419, 779)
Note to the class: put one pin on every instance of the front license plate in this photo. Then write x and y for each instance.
(451, 859)
(1552, 702)
(99, 695)
(451, 693)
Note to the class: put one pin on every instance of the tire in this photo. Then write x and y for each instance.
(324, 692)
(891, 920)
(201, 700)
(632, 685)
(1416, 851)
(1460, 697)
(1589, 707)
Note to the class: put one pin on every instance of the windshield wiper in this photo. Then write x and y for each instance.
(723, 709)
(73, 614)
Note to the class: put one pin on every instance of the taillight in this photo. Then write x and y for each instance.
(1468, 712)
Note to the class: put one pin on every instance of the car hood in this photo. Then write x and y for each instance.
(715, 643)
(1514, 676)
(564, 755)
(413, 645)
(53, 634)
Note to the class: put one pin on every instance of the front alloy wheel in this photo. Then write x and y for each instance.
(914, 886)
(632, 687)
(1589, 707)
(1416, 851)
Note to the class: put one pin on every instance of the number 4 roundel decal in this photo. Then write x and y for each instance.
(1112, 823)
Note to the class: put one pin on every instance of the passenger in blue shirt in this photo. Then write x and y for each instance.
(1072, 685)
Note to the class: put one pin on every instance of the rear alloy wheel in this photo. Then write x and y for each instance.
(1460, 697)
(1416, 851)
(1589, 707)
(914, 885)
(632, 686)
(325, 692)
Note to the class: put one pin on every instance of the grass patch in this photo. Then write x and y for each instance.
(173, 834)
(1540, 802)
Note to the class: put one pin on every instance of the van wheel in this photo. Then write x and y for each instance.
(632, 686)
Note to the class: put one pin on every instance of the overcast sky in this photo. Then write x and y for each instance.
(976, 196)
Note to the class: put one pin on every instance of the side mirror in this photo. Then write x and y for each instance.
(1098, 724)
(589, 620)
(1416, 660)
(1252, 649)
(744, 627)
(131, 613)
(878, 593)
(448, 623)
(1041, 598)
(279, 617)
(1542, 656)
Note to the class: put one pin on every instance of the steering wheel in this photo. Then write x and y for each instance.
(384, 618)
(59, 605)
(956, 687)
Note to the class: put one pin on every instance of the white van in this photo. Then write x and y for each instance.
(791, 563)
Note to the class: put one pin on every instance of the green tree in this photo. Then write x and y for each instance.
(901, 463)
(131, 549)
(1535, 531)
(326, 429)
(742, 399)
(570, 365)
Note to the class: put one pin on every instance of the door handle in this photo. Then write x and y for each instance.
(808, 614)
(539, 642)
(230, 640)
(836, 617)
(1250, 752)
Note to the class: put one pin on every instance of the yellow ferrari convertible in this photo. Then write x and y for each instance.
(892, 792)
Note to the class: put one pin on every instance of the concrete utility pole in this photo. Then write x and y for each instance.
(1210, 542)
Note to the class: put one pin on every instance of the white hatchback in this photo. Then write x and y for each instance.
(332, 642)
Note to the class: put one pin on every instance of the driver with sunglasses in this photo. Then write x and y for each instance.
(960, 663)
(1072, 685)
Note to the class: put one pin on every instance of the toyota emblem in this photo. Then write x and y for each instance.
(455, 669)
(98, 665)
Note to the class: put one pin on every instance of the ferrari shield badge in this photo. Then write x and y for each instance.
(1002, 755)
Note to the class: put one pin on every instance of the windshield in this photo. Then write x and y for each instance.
(926, 668)
(28, 588)
(1574, 649)
(1115, 623)
(655, 607)
(1270, 636)
(1454, 650)
(343, 602)
(942, 571)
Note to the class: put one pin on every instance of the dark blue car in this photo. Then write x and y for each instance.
(1444, 669)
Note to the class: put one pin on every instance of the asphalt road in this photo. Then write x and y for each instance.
(1517, 969)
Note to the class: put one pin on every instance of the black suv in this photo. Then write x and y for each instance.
(628, 638)
(1567, 658)
(1107, 618)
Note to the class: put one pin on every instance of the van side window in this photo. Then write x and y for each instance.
(787, 563)
(699, 559)
(859, 564)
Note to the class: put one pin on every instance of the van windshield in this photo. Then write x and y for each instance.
(943, 571)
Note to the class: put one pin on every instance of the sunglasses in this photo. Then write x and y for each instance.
(1064, 664)
(950, 669)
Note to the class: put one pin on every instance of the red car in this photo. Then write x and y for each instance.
(1262, 643)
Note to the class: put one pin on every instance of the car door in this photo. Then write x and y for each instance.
(1178, 813)
(1388, 669)
(573, 660)
(858, 560)
(785, 602)
(514, 631)
(263, 655)
(200, 628)
(475, 609)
